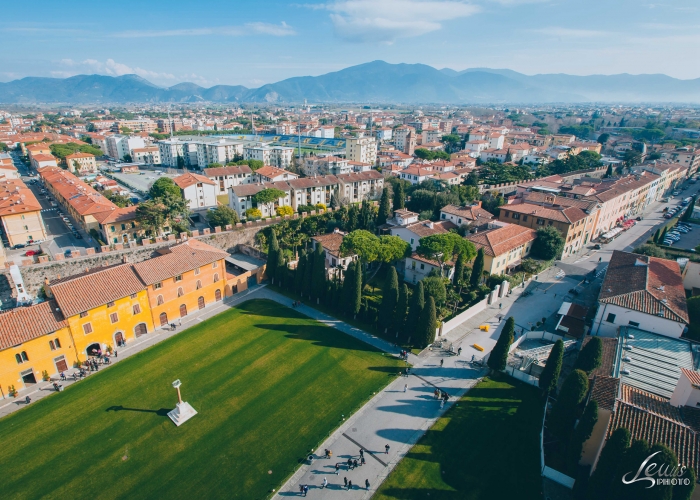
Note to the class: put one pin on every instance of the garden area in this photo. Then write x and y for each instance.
(269, 385)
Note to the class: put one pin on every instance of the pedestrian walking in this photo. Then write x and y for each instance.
(349, 463)
(27, 400)
(459, 351)
(63, 376)
(362, 460)
(337, 468)
(442, 362)
(362, 452)
(346, 481)
(179, 322)
(386, 448)
(442, 403)
(366, 484)
(500, 305)
(306, 489)
(600, 259)
(349, 485)
(324, 483)
(330, 454)
(354, 464)
(115, 353)
(405, 386)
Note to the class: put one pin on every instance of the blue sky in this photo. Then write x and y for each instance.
(251, 43)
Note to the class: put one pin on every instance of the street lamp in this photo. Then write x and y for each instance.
(183, 411)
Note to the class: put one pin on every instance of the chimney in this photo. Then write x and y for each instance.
(47, 289)
(125, 259)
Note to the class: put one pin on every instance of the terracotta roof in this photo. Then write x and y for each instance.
(43, 157)
(271, 172)
(310, 182)
(94, 288)
(693, 376)
(230, 170)
(646, 284)
(423, 229)
(470, 213)
(79, 155)
(16, 198)
(360, 176)
(567, 215)
(83, 198)
(177, 260)
(608, 359)
(604, 392)
(331, 242)
(23, 324)
(186, 180)
(117, 215)
(502, 240)
(433, 263)
(252, 189)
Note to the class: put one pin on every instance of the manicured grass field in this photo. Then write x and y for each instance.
(484, 448)
(269, 384)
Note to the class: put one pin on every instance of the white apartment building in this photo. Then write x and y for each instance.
(226, 177)
(277, 156)
(149, 155)
(198, 190)
(431, 135)
(361, 149)
(118, 146)
(221, 151)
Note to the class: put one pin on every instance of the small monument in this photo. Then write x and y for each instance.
(183, 411)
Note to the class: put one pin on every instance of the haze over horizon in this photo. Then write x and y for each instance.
(239, 44)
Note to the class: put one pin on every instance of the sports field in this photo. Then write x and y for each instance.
(269, 384)
(486, 447)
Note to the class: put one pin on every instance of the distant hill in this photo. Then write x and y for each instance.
(374, 82)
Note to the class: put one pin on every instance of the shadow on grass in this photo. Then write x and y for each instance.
(322, 336)
(163, 412)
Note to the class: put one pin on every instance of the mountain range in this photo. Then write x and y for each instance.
(374, 82)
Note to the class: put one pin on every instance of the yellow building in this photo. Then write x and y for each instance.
(20, 213)
(185, 278)
(34, 341)
(504, 245)
(103, 307)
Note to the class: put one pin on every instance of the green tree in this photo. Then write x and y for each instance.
(253, 213)
(362, 243)
(563, 415)
(603, 138)
(335, 202)
(444, 247)
(550, 373)
(4, 147)
(499, 355)
(415, 311)
(426, 154)
(353, 296)
(273, 248)
(607, 467)
(609, 172)
(127, 158)
(693, 304)
(151, 215)
(434, 286)
(583, 431)
(656, 236)
(427, 324)
(384, 207)
(688, 214)
(300, 271)
(477, 269)
(222, 216)
(663, 234)
(459, 269)
(549, 243)
(268, 197)
(401, 312)
(392, 248)
(591, 356)
(399, 196)
(390, 298)
(162, 186)
(318, 275)
(650, 250)
(118, 199)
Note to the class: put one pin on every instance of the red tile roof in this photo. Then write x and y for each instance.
(499, 241)
(16, 198)
(469, 213)
(177, 260)
(230, 170)
(186, 180)
(23, 324)
(693, 376)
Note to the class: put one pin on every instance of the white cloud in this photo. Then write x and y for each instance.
(388, 20)
(282, 29)
(568, 33)
(109, 67)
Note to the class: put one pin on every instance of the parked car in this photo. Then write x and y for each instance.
(676, 193)
(668, 242)
(78, 236)
(19, 245)
(597, 246)
(668, 215)
(638, 218)
(30, 253)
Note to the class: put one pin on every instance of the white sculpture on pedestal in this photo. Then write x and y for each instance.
(183, 411)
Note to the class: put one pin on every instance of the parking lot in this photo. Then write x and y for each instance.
(141, 181)
(688, 241)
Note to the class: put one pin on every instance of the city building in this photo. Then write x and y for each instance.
(641, 290)
(119, 225)
(20, 213)
(504, 245)
(227, 177)
(361, 149)
(418, 267)
(277, 156)
(272, 174)
(331, 243)
(81, 163)
(120, 146)
(198, 190)
(405, 140)
(150, 155)
(41, 160)
(469, 215)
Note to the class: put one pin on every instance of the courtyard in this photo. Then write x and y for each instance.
(269, 385)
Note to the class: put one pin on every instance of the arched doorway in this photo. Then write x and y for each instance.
(217, 295)
(28, 377)
(200, 302)
(183, 310)
(163, 319)
(118, 339)
(93, 349)
(140, 329)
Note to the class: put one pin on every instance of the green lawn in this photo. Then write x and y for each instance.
(269, 384)
(486, 447)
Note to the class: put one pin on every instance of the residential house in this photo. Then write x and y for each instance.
(43, 160)
(358, 186)
(331, 245)
(469, 215)
(20, 213)
(361, 149)
(227, 177)
(504, 246)
(411, 232)
(199, 191)
(119, 225)
(7, 167)
(81, 163)
(119, 146)
(150, 155)
(272, 174)
(241, 198)
(416, 174)
(419, 267)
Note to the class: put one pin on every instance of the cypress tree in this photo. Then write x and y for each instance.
(688, 214)
(280, 267)
(591, 356)
(609, 171)
(308, 273)
(300, 272)
(663, 234)
(401, 312)
(583, 431)
(335, 203)
(459, 269)
(427, 324)
(414, 312)
(630, 461)
(610, 457)
(356, 293)
(563, 415)
(499, 354)
(273, 249)
(390, 297)
(348, 281)
(318, 273)
(384, 207)
(477, 269)
(399, 196)
(550, 373)
(656, 236)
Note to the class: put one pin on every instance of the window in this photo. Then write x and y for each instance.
(133, 296)
(524, 218)
(123, 227)
(540, 222)
(156, 286)
(422, 266)
(516, 216)
(111, 228)
(21, 358)
(216, 277)
(110, 303)
(83, 314)
(52, 345)
(634, 323)
(137, 308)
(114, 317)
(180, 292)
(196, 271)
(159, 300)
(178, 277)
(610, 318)
(58, 343)
(87, 328)
(199, 284)
(215, 265)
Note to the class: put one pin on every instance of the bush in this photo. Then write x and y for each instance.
(435, 287)
(253, 214)
(285, 210)
(549, 243)
(651, 251)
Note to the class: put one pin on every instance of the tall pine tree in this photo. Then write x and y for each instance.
(384, 207)
(499, 354)
(273, 249)
(300, 272)
(663, 234)
(477, 269)
(308, 273)
(459, 269)
(401, 313)
(414, 312)
(399, 196)
(427, 324)
(318, 273)
(280, 267)
(390, 297)
(552, 369)
(356, 296)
